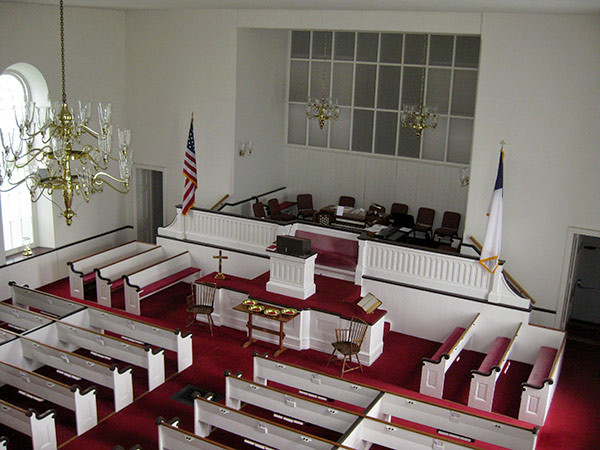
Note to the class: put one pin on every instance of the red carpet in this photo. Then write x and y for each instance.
(573, 421)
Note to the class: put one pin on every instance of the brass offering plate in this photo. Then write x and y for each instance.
(271, 312)
(249, 302)
(289, 311)
(256, 308)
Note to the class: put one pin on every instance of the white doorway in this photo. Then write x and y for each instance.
(148, 209)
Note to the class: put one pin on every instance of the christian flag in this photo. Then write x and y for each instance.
(493, 236)
(189, 171)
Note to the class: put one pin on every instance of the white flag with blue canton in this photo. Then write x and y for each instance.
(490, 253)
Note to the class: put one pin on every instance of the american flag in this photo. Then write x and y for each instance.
(189, 171)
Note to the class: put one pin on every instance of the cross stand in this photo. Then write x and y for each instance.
(220, 257)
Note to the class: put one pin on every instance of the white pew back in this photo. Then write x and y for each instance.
(83, 403)
(21, 318)
(109, 274)
(382, 405)
(25, 298)
(103, 374)
(81, 267)
(173, 340)
(40, 427)
(171, 437)
(208, 414)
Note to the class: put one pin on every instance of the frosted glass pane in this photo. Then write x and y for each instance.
(297, 124)
(385, 133)
(342, 83)
(414, 49)
(459, 141)
(298, 81)
(463, 93)
(434, 141)
(364, 89)
(467, 51)
(411, 86)
(362, 131)
(388, 87)
(300, 44)
(366, 50)
(344, 46)
(438, 89)
(316, 136)
(340, 131)
(316, 79)
(440, 50)
(391, 48)
(408, 144)
(318, 44)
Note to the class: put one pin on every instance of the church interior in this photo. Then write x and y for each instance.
(292, 295)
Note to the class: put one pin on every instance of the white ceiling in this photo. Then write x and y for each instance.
(523, 6)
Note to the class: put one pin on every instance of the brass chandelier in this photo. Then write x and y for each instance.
(419, 117)
(324, 108)
(47, 144)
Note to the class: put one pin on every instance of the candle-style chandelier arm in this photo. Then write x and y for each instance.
(102, 178)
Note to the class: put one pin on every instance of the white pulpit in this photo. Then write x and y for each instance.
(293, 276)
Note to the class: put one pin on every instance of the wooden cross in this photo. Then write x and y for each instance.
(220, 257)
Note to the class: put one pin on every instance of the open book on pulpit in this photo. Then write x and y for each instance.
(369, 303)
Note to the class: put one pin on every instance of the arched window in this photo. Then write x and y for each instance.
(17, 211)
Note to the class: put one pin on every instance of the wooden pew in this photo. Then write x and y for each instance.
(356, 429)
(170, 437)
(138, 330)
(81, 271)
(48, 304)
(130, 352)
(483, 380)
(159, 276)
(100, 320)
(110, 277)
(83, 403)
(383, 405)
(119, 381)
(434, 369)
(3, 443)
(21, 318)
(539, 388)
(208, 414)
(40, 427)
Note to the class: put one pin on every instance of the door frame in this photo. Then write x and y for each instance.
(163, 170)
(569, 271)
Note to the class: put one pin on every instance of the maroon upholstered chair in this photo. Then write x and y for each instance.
(276, 213)
(399, 208)
(424, 222)
(450, 224)
(259, 210)
(346, 201)
(305, 206)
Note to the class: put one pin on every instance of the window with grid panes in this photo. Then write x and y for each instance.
(372, 75)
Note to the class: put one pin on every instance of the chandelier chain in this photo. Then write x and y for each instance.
(62, 52)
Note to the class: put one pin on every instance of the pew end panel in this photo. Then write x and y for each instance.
(434, 369)
(539, 389)
(483, 379)
(41, 427)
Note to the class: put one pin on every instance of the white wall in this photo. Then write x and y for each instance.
(538, 90)
(179, 62)
(260, 111)
(95, 71)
